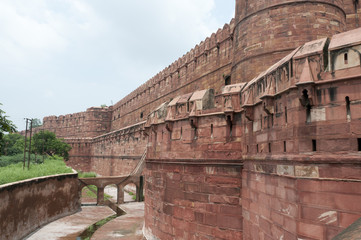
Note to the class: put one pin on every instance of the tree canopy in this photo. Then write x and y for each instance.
(11, 144)
(6, 125)
(45, 142)
(36, 123)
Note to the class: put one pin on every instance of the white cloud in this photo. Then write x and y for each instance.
(72, 54)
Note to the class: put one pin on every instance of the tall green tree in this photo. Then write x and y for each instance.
(45, 142)
(6, 125)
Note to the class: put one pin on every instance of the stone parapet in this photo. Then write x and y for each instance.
(27, 205)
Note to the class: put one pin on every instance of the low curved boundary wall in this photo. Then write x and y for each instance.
(29, 204)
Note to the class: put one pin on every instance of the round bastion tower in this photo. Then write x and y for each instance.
(267, 30)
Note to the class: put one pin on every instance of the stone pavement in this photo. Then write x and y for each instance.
(128, 226)
(68, 228)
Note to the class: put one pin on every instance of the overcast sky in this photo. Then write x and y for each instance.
(64, 56)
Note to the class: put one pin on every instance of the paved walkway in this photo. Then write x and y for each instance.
(128, 226)
(68, 228)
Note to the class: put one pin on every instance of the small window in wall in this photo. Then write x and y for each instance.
(308, 114)
(269, 147)
(230, 125)
(141, 115)
(286, 115)
(284, 146)
(348, 109)
(359, 144)
(227, 80)
(314, 145)
(211, 130)
(247, 149)
(181, 132)
(345, 58)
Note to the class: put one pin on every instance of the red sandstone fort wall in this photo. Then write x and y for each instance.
(193, 181)
(94, 122)
(118, 152)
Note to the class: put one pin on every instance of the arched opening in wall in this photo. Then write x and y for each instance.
(227, 80)
(348, 108)
(89, 194)
(345, 58)
(111, 192)
(130, 192)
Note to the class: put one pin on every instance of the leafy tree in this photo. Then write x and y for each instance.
(12, 144)
(37, 123)
(6, 125)
(47, 143)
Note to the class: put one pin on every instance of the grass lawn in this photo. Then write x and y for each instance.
(15, 172)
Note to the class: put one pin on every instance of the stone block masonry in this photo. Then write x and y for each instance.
(30, 204)
(253, 134)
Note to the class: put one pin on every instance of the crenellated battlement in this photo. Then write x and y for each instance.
(205, 58)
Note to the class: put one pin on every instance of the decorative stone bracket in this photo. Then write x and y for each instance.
(169, 126)
(249, 113)
(268, 105)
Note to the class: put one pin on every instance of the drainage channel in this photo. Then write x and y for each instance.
(88, 233)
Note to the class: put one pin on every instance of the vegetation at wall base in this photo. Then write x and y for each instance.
(89, 192)
(86, 174)
(15, 172)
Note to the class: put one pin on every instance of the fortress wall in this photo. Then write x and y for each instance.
(95, 121)
(279, 203)
(80, 153)
(119, 152)
(289, 140)
(205, 66)
(193, 184)
(30, 204)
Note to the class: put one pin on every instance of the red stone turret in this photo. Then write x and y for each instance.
(266, 30)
